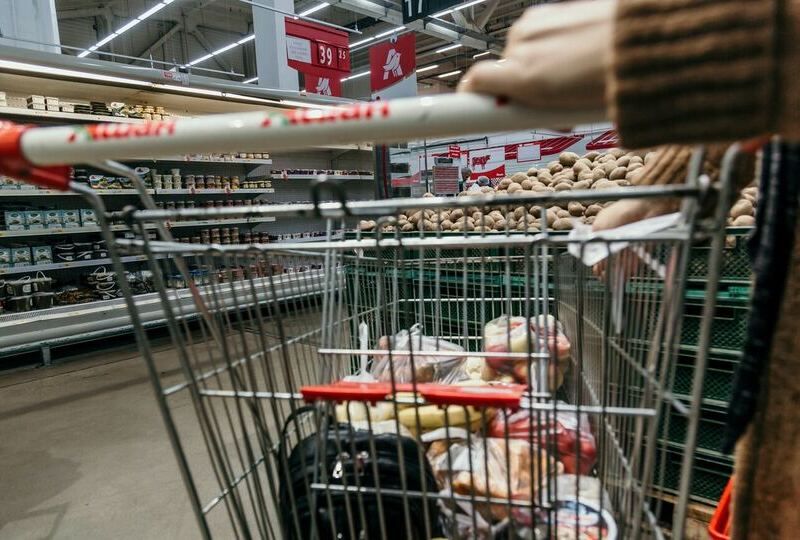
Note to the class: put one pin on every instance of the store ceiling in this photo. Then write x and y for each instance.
(189, 29)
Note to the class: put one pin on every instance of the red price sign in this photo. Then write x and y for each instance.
(327, 50)
(326, 56)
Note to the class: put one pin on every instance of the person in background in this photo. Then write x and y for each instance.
(680, 72)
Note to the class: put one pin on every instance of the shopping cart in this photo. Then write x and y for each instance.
(339, 388)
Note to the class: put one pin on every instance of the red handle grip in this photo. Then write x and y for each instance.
(505, 396)
(14, 163)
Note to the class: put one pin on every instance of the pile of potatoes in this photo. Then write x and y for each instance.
(613, 169)
(743, 211)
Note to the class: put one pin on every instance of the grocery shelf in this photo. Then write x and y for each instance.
(172, 225)
(329, 177)
(18, 193)
(179, 159)
(31, 113)
(65, 265)
(61, 325)
(213, 191)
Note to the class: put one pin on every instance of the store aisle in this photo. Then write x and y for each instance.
(84, 453)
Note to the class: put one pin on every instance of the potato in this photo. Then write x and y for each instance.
(568, 159)
(635, 160)
(622, 182)
(617, 152)
(750, 190)
(618, 173)
(592, 210)
(554, 167)
(533, 171)
(504, 183)
(408, 226)
(551, 217)
(564, 186)
(518, 177)
(366, 225)
(609, 167)
(742, 208)
(604, 184)
(591, 156)
(500, 224)
(583, 184)
(456, 213)
(635, 174)
(575, 209)
(623, 161)
(428, 194)
(605, 158)
(514, 187)
(561, 213)
(648, 157)
(744, 221)
(580, 168)
(598, 173)
(567, 174)
(415, 217)
(633, 166)
(535, 211)
(487, 221)
(521, 226)
(589, 220)
(487, 189)
(563, 224)
(446, 225)
(471, 210)
(527, 184)
(519, 212)
(497, 214)
(511, 223)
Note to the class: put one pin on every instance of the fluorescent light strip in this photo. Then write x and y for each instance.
(221, 50)
(34, 68)
(484, 53)
(457, 8)
(450, 74)
(389, 32)
(356, 76)
(361, 42)
(155, 9)
(448, 48)
(427, 68)
(314, 9)
(248, 81)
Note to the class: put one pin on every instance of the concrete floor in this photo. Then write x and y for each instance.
(84, 454)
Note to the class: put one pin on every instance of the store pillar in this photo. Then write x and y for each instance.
(270, 30)
(33, 20)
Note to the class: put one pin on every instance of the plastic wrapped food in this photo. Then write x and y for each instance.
(490, 468)
(445, 369)
(572, 441)
(520, 335)
(569, 520)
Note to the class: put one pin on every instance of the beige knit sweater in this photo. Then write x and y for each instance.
(704, 71)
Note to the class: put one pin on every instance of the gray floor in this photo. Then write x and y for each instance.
(83, 454)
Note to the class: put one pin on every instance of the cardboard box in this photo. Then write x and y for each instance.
(21, 256)
(53, 217)
(53, 108)
(35, 99)
(88, 217)
(42, 254)
(14, 217)
(34, 218)
(37, 106)
(71, 217)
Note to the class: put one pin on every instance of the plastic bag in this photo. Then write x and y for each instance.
(445, 369)
(520, 335)
(569, 520)
(490, 467)
(572, 441)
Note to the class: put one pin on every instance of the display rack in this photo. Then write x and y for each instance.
(71, 323)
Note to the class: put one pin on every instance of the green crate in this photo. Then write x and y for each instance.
(718, 380)
(736, 265)
(710, 430)
(709, 476)
(729, 329)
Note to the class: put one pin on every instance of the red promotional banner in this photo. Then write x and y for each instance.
(392, 61)
(317, 49)
(324, 86)
(490, 162)
(454, 151)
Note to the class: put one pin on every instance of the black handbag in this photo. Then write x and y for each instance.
(343, 460)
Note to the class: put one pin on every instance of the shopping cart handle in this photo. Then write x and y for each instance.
(13, 162)
(505, 396)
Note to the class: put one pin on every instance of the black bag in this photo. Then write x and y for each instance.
(342, 456)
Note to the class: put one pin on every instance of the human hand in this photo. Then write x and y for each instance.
(556, 56)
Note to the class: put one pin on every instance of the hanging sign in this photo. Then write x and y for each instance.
(317, 49)
(392, 68)
(490, 162)
(324, 86)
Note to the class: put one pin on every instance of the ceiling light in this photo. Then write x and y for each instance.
(389, 32)
(248, 81)
(188, 90)
(314, 9)
(225, 48)
(484, 53)
(156, 8)
(34, 68)
(457, 8)
(427, 68)
(221, 50)
(361, 42)
(242, 41)
(201, 59)
(449, 74)
(306, 105)
(448, 48)
(356, 76)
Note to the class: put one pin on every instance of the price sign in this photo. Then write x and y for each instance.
(316, 49)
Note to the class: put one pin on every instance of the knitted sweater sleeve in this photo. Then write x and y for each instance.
(690, 71)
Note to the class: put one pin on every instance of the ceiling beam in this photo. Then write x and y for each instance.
(208, 47)
(486, 14)
(157, 43)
